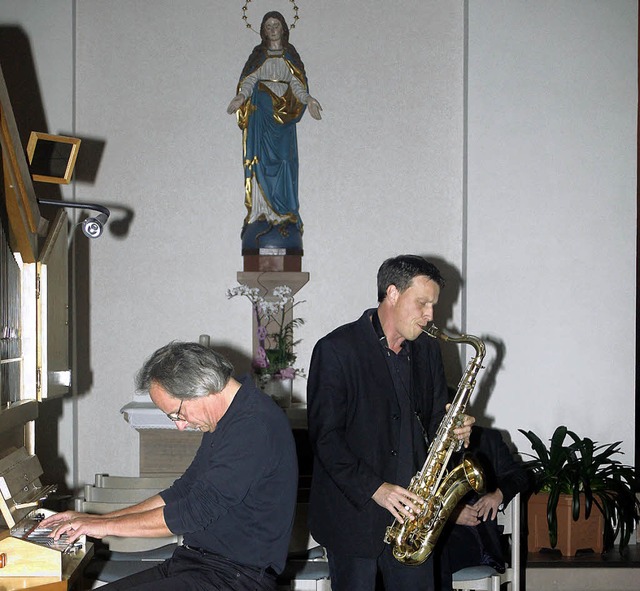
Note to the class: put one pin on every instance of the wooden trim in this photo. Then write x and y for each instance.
(22, 206)
(637, 405)
(36, 138)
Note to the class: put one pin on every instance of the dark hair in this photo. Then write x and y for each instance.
(285, 28)
(185, 370)
(401, 270)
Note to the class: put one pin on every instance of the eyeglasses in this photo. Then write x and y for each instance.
(175, 416)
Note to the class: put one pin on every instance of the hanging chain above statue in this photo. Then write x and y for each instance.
(248, 25)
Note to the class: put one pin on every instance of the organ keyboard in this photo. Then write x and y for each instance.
(27, 552)
(30, 551)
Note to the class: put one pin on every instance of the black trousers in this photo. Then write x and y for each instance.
(193, 570)
(350, 573)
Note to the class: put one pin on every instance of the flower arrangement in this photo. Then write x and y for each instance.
(275, 355)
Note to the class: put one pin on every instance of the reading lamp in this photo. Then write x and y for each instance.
(92, 226)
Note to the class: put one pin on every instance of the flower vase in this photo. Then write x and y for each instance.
(280, 389)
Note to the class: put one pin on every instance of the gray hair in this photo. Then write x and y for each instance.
(185, 370)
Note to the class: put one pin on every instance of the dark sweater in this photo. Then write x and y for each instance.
(238, 496)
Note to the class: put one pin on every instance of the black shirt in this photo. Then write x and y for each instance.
(237, 498)
(411, 433)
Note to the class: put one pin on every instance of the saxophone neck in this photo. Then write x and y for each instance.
(434, 332)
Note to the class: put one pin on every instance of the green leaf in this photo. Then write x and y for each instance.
(584, 469)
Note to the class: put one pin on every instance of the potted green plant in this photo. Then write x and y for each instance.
(586, 472)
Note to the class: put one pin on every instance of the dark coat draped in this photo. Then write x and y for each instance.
(473, 546)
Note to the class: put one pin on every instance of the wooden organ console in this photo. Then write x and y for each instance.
(34, 366)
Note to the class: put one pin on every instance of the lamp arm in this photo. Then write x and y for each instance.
(76, 205)
(92, 226)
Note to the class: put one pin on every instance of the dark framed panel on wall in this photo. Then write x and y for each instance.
(52, 158)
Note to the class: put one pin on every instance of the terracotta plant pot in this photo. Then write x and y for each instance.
(573, 536)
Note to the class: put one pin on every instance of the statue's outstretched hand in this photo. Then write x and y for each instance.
(314, 108)
(235, 104)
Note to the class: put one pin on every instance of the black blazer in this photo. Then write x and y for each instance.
(502, 470)
(354, 430)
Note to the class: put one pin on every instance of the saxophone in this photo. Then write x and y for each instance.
(440, 490)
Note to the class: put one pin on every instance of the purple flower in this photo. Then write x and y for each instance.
(262, 333)
(260, 360)
(288, 373)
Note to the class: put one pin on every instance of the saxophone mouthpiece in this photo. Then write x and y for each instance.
(434, 332)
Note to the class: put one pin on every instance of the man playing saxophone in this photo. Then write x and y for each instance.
(376, 395)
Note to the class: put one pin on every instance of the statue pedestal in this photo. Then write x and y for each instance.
(266, 281)
(271, 248)
(275, 261)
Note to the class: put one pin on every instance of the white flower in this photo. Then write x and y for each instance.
(270, 314)
(282, 291)
(252, 293)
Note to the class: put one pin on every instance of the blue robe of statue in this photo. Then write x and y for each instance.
(270, 145)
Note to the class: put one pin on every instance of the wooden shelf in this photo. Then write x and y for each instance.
(612, 559)
(611, 571)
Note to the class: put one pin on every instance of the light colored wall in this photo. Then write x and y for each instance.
(49, 28)
(551, 235)
(412, 155)
(154, 81)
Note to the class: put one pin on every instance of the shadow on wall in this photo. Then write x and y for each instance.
(19, 72)
(451, 354)
(18, 68)
(454, 356)
(241, 361)
(496, 351)
(20, 75)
